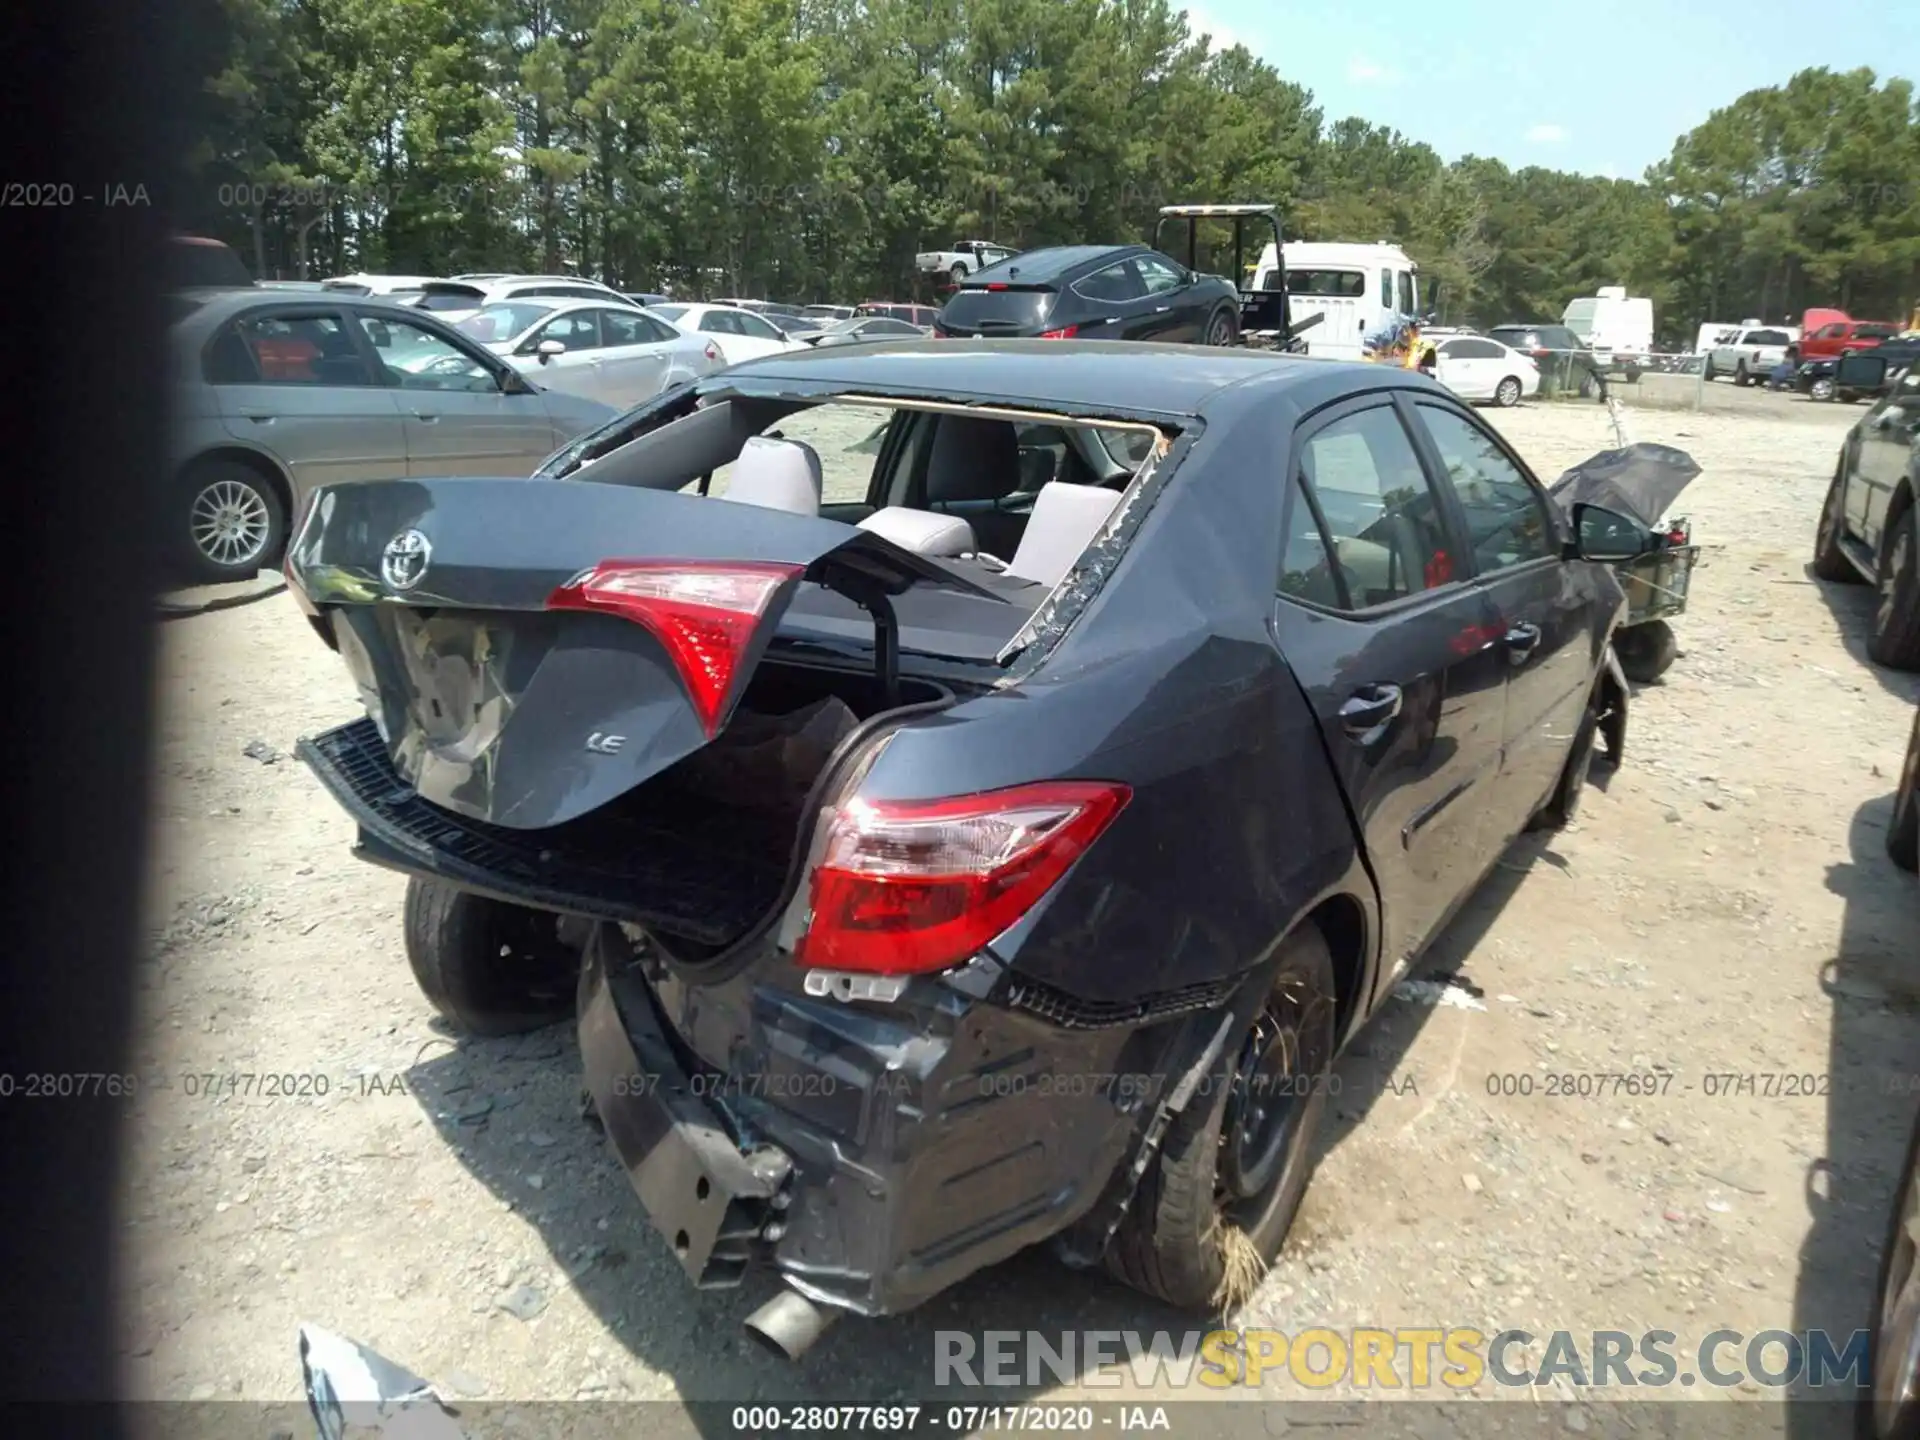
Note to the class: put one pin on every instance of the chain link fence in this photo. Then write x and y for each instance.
(1671, 380)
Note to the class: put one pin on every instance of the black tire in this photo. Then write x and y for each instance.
(1170, 1244)
(1740, 376)
(1646, 650)
(1707, 372)
(1507, 393)
(1564, 804)
(1223, 327)
(1903, 832)
(231, 522)
(1895, 640)
(1829, 560)
(489, 967)
(1895, 1250)
(1847, 397)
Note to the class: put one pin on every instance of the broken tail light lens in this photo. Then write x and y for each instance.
(704, 615)
(904, 887)
(713, 351)
(1065, 332)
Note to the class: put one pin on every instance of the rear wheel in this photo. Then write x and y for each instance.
(1217, 1202)
(489, 967)
(1896, 621)
(1222, 328)
(1821, 388)
(957, 275)
(1707, 371)
(1903, 835)
(1646, 650)
(1740, 376)
(232, 522)
(1507, 392)
(1829, 560)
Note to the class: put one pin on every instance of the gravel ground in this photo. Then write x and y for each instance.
(1724, 905)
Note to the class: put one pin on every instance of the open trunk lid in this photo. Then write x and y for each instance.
(530, 650)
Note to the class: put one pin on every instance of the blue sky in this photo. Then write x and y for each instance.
(1598, 88)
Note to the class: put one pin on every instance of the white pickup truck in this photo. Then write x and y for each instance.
(1750, 353)
(964, 259)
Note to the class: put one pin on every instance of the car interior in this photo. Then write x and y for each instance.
(1007, 506)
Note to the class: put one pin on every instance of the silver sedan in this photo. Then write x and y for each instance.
(275, 393)
(616, 353)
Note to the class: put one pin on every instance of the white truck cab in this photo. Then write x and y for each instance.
(1354, 289)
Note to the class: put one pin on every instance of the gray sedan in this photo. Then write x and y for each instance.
(275, 394)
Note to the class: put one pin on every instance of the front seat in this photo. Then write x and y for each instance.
(776, 474)
(1065, 519)
(973, 465)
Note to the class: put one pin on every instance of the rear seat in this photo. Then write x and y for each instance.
(1065, 519)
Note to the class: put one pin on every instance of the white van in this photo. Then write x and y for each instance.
(1611, 321)
(1354, 289)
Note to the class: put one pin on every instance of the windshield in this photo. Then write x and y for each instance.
(503, 321)
(670, 313)
(1346, 284)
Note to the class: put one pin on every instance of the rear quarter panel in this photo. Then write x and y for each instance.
(1169, 682)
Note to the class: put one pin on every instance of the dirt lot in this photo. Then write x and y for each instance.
(1723, 907)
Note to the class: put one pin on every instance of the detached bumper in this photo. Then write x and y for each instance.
(874, 1156)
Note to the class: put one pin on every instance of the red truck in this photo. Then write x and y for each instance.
(1829, 334)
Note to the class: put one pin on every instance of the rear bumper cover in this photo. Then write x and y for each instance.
(873, 1159)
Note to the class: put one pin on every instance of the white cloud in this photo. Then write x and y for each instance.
(1222, 37)
(1547, 134)
(1363, 71)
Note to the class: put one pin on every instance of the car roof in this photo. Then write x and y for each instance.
(1053, 262)
(1110, 376)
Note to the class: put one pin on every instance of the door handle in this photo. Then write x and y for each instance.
(1161, 309)
(259, 417)
(1369, 710)
(1521, 642)
(428, 415)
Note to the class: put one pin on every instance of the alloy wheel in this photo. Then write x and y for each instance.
(230, 523)
(1220, 330)
(1898, 559)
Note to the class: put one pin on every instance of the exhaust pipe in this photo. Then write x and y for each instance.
(789, 1323)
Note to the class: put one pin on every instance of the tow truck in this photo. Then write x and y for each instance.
(1265, 320)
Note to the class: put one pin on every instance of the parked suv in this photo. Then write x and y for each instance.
(1870, 524)
(1566, 361)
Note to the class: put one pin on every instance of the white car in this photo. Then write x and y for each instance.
(619, 354)
(1751, 354)
(1477, 368)
(740, 334)
(454, 300)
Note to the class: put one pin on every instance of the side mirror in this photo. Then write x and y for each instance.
(547, 349)
(1606, 536)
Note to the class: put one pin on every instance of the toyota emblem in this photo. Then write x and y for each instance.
(403, 564)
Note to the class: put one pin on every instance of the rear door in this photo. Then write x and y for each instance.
(635, 351)
(295, 382)
(1542, 615)
(457, 419)
(1394, 652)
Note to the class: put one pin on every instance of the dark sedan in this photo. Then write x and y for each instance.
(939, 902)
(1870, 524)
(1094, 292)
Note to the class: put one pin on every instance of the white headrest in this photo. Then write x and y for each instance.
(779, 474)
(1065, 519)
(921, 531)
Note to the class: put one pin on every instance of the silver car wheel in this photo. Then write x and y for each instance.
(230, 523)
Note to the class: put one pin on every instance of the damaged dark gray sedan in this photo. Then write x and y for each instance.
(1001, 851)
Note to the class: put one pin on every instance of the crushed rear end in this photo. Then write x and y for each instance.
(791, 1014)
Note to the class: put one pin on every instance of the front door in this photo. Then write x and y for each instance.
(1172, 314)
(458, 420)
(576, 369)
(1395, 652)
(1542, 608)
(1886, 450)
(634, 355)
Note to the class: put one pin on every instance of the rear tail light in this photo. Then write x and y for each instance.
(713, 351)
(1065, 332)
(996, 285)
(705, 615)
(904, 887)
